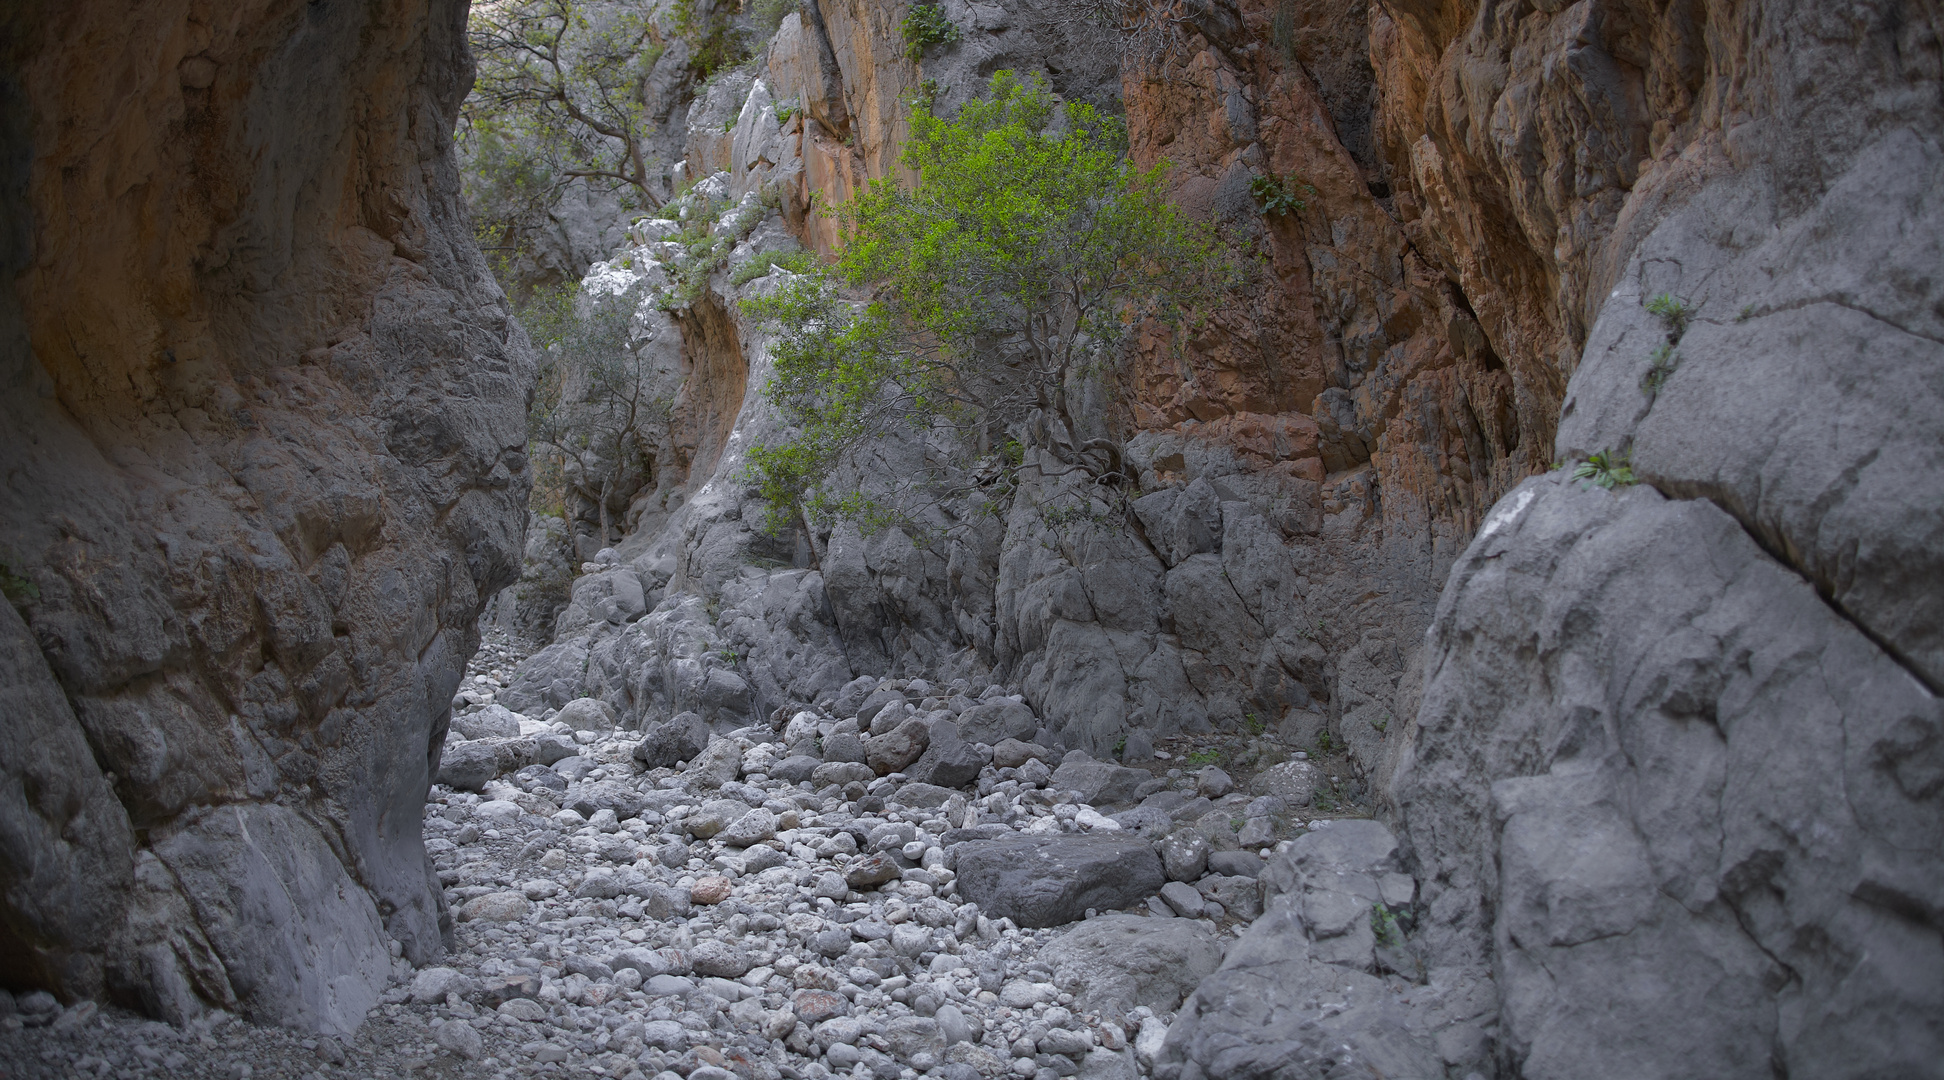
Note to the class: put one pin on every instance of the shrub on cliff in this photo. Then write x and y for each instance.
(1029, 252)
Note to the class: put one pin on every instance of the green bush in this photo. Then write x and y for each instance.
(1024, 259)
(715, 42)
(925, 25)
(1280, 196)
(769, 14)
(1660, 364)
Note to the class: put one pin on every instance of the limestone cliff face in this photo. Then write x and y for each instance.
(264, 460)
(1670, 789)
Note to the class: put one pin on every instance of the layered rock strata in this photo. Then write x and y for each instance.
(264, 463)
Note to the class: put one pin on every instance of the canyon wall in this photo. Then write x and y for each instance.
(1665, 763)
(264, 462)
(1660, 744)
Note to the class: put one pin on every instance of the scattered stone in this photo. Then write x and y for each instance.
(1294, 782)
(1185, 854)
(1116, 962)
(870, 871)
(460, 1038)
(496, 907)
(897, 748)
(1011, 753)
(1213, 783)
(753, 827)
(843, 746)
(1099, 782)
(1233, 864)
(710, 889)
(1183, 898)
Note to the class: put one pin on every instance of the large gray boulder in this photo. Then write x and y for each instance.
(948, 761)
(996, 721)
(467, 765)
(1647, 746)
(678, 739)
(1117, 962)
(1050, 880)
(1101, 783)
(897, 748)
(492, 722)
(548, 679)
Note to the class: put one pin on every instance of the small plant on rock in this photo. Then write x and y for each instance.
(1383, 924)
(1673, 312)
(1606, 469)
(925, 25)
(1660, 364)
(18, 590)
(1279, 196)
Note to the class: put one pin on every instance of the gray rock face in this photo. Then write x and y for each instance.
(1301, 989)
(281, 910)
(1727, 789)
(260, 507)
(1046, 881)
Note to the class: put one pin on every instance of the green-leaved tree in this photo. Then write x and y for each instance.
(595, 420)
(558, 97)
(1027, 254)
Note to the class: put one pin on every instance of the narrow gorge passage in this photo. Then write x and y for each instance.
(488, 598)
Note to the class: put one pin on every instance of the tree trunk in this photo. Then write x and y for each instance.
(607, 528)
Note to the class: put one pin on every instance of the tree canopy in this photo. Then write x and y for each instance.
(558, 97)
(1023, 259)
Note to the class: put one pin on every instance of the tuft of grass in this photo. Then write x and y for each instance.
(1605, 469)
(796, 262)
(1674, 314)
(1660, 364)
(1206, 756)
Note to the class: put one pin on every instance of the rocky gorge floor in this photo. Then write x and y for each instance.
(857, 890)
